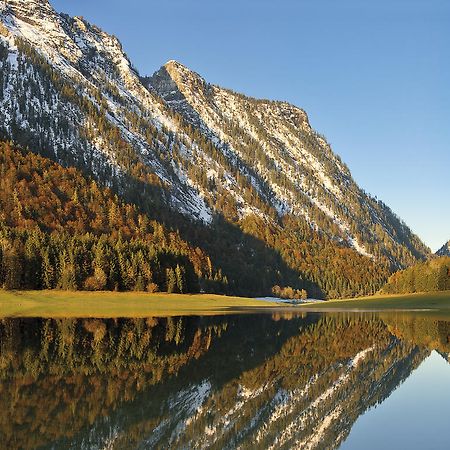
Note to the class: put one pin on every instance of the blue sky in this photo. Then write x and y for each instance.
(374, 78)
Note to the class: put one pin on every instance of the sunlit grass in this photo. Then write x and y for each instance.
(58, 304)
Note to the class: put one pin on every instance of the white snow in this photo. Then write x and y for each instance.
(289, 301)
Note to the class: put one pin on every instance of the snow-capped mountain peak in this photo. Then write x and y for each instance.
(29, 9)
(292, 164)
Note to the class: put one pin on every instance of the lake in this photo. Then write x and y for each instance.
(272, 380)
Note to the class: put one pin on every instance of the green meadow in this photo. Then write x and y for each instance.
(58, 304)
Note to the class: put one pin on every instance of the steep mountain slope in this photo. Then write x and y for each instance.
(69, 89)
(444, 250)
(248, 177)
(287, 161)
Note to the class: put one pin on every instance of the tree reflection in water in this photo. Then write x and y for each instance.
(196, 382)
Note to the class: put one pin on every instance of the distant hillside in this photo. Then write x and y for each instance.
(444, 250)
(433, 275)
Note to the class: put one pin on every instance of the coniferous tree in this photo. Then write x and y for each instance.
(180, 279)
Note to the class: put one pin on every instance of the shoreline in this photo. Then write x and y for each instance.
(416, 302)
(108, 304)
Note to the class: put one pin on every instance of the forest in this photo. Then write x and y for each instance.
(429, 276)
(60, 229)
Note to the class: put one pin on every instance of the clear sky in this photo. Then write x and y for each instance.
(374, 78)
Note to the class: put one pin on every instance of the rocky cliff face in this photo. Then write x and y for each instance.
(444, 250)
(286, 160)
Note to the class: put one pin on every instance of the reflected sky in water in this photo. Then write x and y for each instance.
(415, 416)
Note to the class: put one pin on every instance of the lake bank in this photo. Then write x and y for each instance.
(426, 301)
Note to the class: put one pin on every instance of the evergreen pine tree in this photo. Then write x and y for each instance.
(171, 280)
(180, 279)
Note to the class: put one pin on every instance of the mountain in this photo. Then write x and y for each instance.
(248, 181)
(288, 162)
(444, 250)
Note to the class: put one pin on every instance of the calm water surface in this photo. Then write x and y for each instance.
(241, 381)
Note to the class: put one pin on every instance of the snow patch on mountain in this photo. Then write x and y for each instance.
(280, 130)
(93, 60)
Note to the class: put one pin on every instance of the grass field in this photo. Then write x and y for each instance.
(435, 301)
(57, 304)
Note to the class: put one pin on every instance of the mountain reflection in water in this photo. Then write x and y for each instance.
(248, 381)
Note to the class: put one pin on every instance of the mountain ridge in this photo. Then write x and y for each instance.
(218, 158)
(444, 250)
(188, 94)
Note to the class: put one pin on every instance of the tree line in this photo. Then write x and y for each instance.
(76, 234)
(61, 230)
(429, 276)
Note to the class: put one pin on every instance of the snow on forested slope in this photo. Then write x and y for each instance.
(98, 69)
(444, 250)
(69, 87)
(295, 164)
